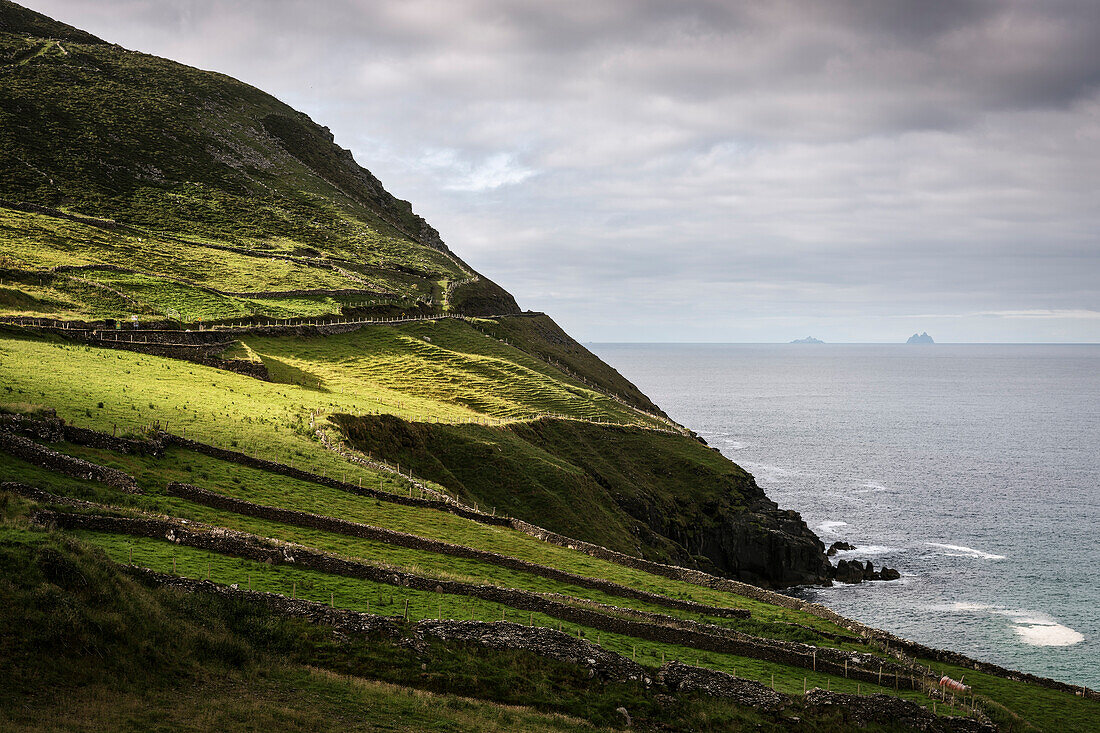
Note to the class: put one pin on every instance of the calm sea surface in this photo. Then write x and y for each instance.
(973, 469)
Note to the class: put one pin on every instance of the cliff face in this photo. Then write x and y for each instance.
(767, 546)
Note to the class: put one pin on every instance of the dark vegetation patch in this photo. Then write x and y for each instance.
(482, 298)
(626, 488)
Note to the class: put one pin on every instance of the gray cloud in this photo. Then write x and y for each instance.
(708, 170)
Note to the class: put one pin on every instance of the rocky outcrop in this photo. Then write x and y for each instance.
(838, 547)
(766, 546)
(682, 678)
(863, 711)
(854, 571)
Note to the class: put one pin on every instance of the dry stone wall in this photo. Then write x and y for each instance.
(303, 293)
(56, 430)
(40, 455)
(403, 539)
(674, 677)
(863, 667)
(865, 711)
(297, 473)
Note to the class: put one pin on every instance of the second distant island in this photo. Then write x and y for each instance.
(808, 340)
(920, 338)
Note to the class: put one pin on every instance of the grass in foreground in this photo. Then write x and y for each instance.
(199, 659)
(362, 595)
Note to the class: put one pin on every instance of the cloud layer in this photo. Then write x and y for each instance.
(708, 170)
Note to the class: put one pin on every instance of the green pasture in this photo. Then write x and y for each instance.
(447, 361)
(362, 595)
(274, 490)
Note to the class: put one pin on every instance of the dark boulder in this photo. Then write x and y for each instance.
(837, 547)
(848, 572)
(889, 574)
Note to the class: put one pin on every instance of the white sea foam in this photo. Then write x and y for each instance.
(963, 551)
(964, 606)
(866, 550)
(734, 444)
(1049, 635)
(830, 526)
(871, 486)
(1032, 627)
(1039, 629)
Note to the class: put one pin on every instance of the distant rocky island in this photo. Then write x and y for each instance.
(808, 340)
(920, 338)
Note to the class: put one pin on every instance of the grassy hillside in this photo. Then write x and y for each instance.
(663, 496)
(311, 487)
(158, 166)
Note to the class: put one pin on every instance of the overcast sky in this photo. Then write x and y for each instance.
(707, 171)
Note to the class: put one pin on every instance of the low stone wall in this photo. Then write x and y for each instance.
(36, 494)
(682, 678)
(196, 353)
(674, 677)
(865, 667)
(863, 711)
(297, 473)
(56, 430)
(403, 539)
(170, 331)
(318, 613)
(540, 640)
(37, 209)
(281, 294)
(47, 458)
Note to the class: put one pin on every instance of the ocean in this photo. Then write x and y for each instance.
(972, 469)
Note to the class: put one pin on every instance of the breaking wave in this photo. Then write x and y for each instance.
(963, 551)
(830, 526)
(1032, 628)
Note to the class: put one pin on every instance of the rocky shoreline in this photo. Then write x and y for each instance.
(856, 571)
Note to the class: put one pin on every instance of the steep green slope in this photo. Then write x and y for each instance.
(662, 496)
(540, 336)
(167, 157)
